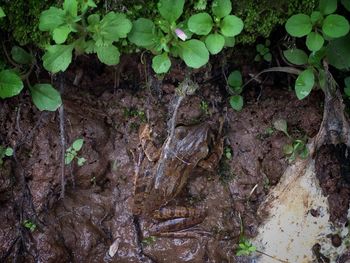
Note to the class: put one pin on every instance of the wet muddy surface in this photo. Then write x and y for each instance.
(94, 221)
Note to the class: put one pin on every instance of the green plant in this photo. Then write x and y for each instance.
(295, 149)
(148, 240)
(327, 36)
(235, 89)
(29, 225)
(228, 152)
(44, 96)
(134, 112)
(263, 52)
(167, 36)
(245, 248)
(5, 152)
(72, 30)
(204, 106)
(72, 153)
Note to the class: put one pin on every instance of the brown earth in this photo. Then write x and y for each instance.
(95, 212)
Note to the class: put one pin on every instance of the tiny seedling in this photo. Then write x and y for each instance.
(235, 82)
(29, 225)
(245, 248)
(295, 149)
(5, 152)
(148, 240)
(72, 153)
(204, 106)
(263, 52)
(228, 152)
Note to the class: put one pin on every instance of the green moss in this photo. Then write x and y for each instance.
(22, 19)
(262, 16)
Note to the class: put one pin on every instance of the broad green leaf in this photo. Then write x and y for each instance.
(347, 91)
(171, 10)
(315, 58)
(2, 13)
(231, 26)
(108, 54)
(112, 27)
(57, 58)
(335, 26)
(236, 102)
(45, 97)
(304, 83)
(230, 41)
(347, 82)
(71, 6)
(314, 41)
(235, 79)
(19, 55)
(299, 25)
(143, 33)
(296, 56)
(77, 144)
(51, 18)
(346, 4)
(194, 53)
(215, 43)
(8, 151)
(10, 84)
(60, 34)
(161, 63)
(338, 52)
(221, 8)
(93, 20)
(328, 6)
(200, 24)
(316, 17)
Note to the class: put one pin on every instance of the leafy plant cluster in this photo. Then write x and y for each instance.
(191, 38)
(44, 96)
(72, 153)
(327, 37)
(263, 51)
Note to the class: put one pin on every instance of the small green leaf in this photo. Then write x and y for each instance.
(230, 41)
(52, 18)
(346, 4)
(69, 156)
(347, 91)
(10, 84)
(347, 82)
(45, 97)
(314, 41)
(19, 55)
(304, 83)
(93, 19)
(71, 6)
(200, 24)
(281, 125)
(338, 52)
(215, 43)
(57, 58)
(221, 8)
(335, 26)
(304, 153)
(143, 33)
(231, 26)
(328, 6)
(161, 63)
(81, 161)
(296, 56)
(288, 149)
(268, 57)
(236, 102)
(108, 54)
(60, 34)
(315, 58)
(2, 13)
(235, 79)
(171, 10)
(316, 17)
(8, 151)
(194, 53)
(77, 144)
(259, 48)
(299, 25)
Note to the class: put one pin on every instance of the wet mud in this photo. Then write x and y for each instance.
(94, 220)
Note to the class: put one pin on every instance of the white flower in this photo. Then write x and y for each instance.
(181, 34)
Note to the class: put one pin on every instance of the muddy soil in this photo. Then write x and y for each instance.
(94, 220)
